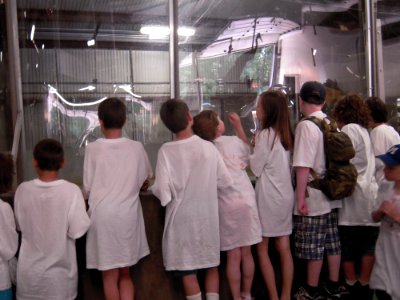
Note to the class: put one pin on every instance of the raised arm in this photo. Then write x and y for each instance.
(234, 119)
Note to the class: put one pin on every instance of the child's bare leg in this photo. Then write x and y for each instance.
(190, 285)
(110, 284)
(233, 272)
(287, 268)
(247, 269)
(334, 267)
(212, 280)
(314, 267)
(126, 287)
(267, 269)
(367, 262)
(349, 271)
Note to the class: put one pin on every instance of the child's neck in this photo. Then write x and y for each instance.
(112, 133)
(184, 134)
(397, 187)
(47, 176)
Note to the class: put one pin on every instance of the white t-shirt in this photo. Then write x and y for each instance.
(270, 162)
(114, 171)
(356, 210)
(382, 137)
(188, 173)
(309, 152)
(238, 215)
(386, 271)
(8, 243)
(50, 216)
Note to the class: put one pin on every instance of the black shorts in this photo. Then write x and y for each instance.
(358, 241)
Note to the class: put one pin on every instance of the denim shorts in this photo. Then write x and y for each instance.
(358, 241)
(316, 235)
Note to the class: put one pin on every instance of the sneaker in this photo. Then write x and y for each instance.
(340, 292)
(302, 294)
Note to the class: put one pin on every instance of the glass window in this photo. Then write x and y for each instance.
(240, 49)
(388, 42)
(5, 110)
(74, 54)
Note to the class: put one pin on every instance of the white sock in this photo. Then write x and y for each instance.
(246, 296)
(351, 282)
(194, 297)
(212, 296)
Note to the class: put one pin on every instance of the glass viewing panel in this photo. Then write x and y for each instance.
(5, 110)
(241, 49)
(388, 43)
(74, 54)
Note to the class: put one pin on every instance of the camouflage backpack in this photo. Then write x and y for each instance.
(340, 177)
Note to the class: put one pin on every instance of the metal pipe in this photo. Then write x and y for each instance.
(15, 74)
(370, 49)
(173, 49)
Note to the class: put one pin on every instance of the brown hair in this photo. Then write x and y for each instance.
(351, 109)
(49, 154)
(276, 116)
(6, 172)
(205, 125)
(112, 112)
(377, 109)
(174, 114)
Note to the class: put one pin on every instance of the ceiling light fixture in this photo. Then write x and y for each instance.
(160, 32)
(91, 42)
(186, 31)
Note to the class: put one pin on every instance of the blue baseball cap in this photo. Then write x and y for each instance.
(392, 157)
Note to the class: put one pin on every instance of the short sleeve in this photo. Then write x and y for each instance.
(262, 149)
(162, 187)
(8, 233)
(78, 219)
(306, 142)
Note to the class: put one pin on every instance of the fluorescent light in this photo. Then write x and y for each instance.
(159, 32)
(91, 42)
(33, 32)
(88, 88)
(186, 31)
(42, 46)
(155, 32)
(37, 65)
(1, 56)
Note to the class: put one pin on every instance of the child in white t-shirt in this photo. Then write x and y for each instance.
(382, 135)
(189, 171)
(8, 234)
(114, 170)
(270, 162)
(386, 271)
(358, 232)
(238, 216)
(51, 215)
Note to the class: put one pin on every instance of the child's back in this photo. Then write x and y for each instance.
(50, 216)
(114, 172)
(188, 173)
